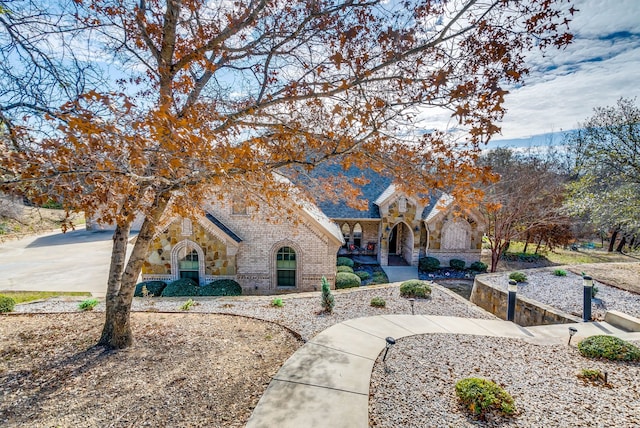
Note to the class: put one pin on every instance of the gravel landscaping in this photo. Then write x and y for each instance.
(566, 292)
(417, 387)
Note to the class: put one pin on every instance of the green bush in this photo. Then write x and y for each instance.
(347, 280)
(415, 288)
(6, 304)
(363, 275)
(379, 277)
(457, 264)
(277, 302)
(560, 272)
(154, 288)
(327, 301)
(344, 261)
(181, 287)
(518, 277)
(221, 287)
(522, 257)
(88, 304)
(479, 267)
(609, 347)
(480, 395)
(344, 269)
(378, 302)
(188, 305)
(429, 264)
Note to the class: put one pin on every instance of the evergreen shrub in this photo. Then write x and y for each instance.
(429, 264)
(415, 288)
(221, 287)
(181, 287)
(344, 261)
(154, 288)
(347, 280)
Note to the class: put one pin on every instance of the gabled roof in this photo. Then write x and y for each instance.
(223, 227)
(431, 210)
(370, 191)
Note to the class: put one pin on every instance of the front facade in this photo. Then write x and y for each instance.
(268, 257)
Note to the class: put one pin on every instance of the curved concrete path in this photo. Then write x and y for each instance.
(326, 382)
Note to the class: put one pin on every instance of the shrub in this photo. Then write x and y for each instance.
(481, 395)
(379, 277)
(478, 267)
(347, 280)
(594, 375)
(518, 277)
(188, 305)
(594, 291)
(221, 287)
(609, 347)
(415, 288)
(429, 264)
(6, 304)
(344, 261)
(277, 302)
(363, 275)
(154, 288)
(378, 302)
(181, 287)
(327, 301)
(88, 304)
(344, 269)
(457, 264)
(522, 257)
(560, 272)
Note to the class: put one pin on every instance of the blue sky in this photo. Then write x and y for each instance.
(599, 67)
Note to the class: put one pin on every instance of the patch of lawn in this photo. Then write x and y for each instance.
(30, 296)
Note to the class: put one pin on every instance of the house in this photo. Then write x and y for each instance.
(231, 241)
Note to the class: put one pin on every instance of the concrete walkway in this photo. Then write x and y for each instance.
(326, 382)
(400, 273)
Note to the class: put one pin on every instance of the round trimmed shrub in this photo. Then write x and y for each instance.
(347, 280)
(378, 302)
(344, 269)
(609, 347)
(221, 287)
(154, 288)
(415, 288)
(181, 287)
(429, 264)
(362, 274)
(6, 304)
(457, 264)
(379, 277)
(344, 261)
(479, 267)
(518, 277)
(480, 395)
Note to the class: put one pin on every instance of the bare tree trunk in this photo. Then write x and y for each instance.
(612, 242)
(621, 245)
(526, 242)
(538, 245)
(116, 333)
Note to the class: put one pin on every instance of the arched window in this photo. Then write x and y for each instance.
(286, 267)
(357, 235)
(188, 263)
(187, 227)
(346, 233)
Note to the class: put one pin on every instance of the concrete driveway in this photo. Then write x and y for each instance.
(72, 261)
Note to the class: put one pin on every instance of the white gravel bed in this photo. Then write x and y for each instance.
(418, 388)
(566, 293)
(301, 314)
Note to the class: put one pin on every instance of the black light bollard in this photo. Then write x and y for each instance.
(412, 301)
(511, 303)
(390, 342)
(587, 283)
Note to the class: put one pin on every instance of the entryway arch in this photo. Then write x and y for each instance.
(400, 244)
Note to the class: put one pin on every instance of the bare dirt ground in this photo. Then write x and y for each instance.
(183, 370)
(625, 276)
(25, 221)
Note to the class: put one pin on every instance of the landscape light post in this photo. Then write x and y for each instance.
(587, 283)
(511, 302)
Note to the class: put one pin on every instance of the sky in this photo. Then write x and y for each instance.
(563, 88)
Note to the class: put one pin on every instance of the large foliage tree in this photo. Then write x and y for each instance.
(525, 202)
(217, 96)
(607, 171)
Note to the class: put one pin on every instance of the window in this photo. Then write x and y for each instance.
(286, 267)
(402, 205)
(239, 207)
(357, 235)
(346, 233)
(188, 263)
(187, 227)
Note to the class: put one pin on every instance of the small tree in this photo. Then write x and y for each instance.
(327, 302)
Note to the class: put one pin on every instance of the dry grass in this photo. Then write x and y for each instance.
(625, 276)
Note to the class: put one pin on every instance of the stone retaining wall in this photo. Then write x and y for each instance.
(528, 312)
